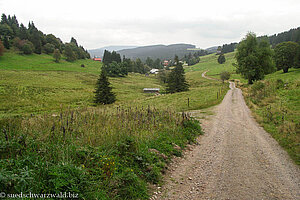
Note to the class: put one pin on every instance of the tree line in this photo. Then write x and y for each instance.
(28, 40)
(255, 57)
(174, 79)
(292, 35)
(117, 67)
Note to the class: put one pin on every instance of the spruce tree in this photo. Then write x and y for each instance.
(221, 59)
(103, 93)
(176, 79)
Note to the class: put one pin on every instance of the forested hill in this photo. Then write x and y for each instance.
(157, 51)
(291, 35)
(29, 40)
(99, 52)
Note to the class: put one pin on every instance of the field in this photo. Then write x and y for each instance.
(210, 63)
(39, 85)
(53, 133)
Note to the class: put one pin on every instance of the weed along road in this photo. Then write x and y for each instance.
(235, 159)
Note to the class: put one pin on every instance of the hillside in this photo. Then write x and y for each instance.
(98, 53)
(32, 84)
(54, 133)
(157, 51)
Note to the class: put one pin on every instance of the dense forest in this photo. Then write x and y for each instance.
(28, 40)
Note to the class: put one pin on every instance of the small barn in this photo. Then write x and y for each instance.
(154, 71)
(151, 90)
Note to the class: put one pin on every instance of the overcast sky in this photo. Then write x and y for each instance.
(97, 23)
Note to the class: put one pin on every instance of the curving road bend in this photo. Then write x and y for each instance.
(235, 159)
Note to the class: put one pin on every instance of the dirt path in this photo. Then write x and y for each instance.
(235, 159)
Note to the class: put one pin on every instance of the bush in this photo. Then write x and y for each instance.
(1, 48)
(225, 76)
(28, 48)
(56, 55)
(48, 48)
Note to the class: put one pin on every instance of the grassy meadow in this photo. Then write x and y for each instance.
(39, 85)
(53, 133)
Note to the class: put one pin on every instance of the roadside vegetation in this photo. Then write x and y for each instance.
(275, 104)
(103, 153)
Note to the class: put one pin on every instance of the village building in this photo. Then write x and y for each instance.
(166, 63)
(97, 59)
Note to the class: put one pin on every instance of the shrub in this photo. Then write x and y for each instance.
(49, 48)
(225, 76)
(1, 48)
(56, 55)
(27, 48)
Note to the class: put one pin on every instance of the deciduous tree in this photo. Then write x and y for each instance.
(253, 60)
(286, 55)
(225, 76)
(56, 55)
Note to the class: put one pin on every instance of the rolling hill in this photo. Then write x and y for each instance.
(157, 51)
(99, 52)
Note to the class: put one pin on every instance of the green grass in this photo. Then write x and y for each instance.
(40, 85)
(210, 63)
(53, 133)
(276, 109)
(44, 62)
(275, 104)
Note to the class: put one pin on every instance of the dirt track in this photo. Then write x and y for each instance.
(235, 159)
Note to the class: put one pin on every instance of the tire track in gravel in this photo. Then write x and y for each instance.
(234, 159)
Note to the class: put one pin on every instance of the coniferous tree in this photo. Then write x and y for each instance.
(74, 41)
(103, 93)
(176, 79)
(3, 19)
(6, 43)
(221, 59)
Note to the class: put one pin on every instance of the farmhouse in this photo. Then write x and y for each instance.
(151, 90)
(166, 63)
(97, 59)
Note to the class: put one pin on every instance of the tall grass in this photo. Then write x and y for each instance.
(104, 153)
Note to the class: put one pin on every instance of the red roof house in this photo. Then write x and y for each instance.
(97, 59)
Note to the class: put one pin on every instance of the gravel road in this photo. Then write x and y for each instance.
(234, 159)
